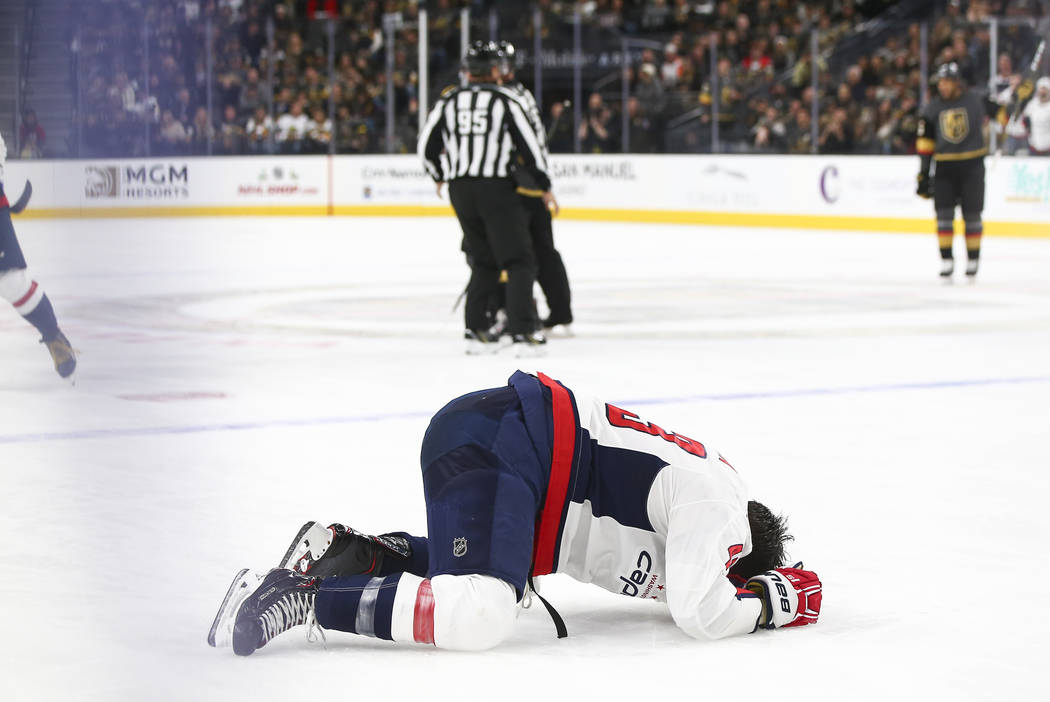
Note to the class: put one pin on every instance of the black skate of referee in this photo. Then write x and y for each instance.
(951, 135)
(471, 136)
(539, 205)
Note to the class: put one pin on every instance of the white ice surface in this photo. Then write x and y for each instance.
(240, 376)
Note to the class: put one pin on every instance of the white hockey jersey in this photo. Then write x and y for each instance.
(645, 512)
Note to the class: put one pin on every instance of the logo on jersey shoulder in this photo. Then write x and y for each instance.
(629, 420)
(459, 546)
(955, 124)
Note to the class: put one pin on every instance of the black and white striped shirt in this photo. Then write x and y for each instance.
(532, 110)
(464, 136)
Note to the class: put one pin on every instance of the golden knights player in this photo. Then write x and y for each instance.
(951, 134)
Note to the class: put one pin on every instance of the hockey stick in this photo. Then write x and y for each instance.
(23, 199)
(1033, 69)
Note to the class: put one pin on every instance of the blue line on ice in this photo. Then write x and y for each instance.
(395, 416)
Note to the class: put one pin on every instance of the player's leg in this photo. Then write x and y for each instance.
(484, 271)
(321, 551)
(972, 195)
(944, 198)
(551, 275)
(480, 516)
(27, 295)
(510, 244)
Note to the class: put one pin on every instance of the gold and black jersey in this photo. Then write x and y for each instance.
(953, 130)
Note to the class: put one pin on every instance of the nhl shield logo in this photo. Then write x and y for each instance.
(459, 546)
(955, 124)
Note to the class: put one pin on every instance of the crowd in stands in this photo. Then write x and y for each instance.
(143, 75)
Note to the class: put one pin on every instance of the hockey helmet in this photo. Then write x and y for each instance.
(506, 55)
(481, 58)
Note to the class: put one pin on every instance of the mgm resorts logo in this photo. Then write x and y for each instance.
(155, 182)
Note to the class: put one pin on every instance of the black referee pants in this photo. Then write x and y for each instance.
(551, 276)
(494, 235)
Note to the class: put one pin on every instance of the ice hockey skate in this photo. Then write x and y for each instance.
(947, 267)
(481, 342)
(971, 267)
(339, 550)
(61, 354)
(282, 600)
(532, 345)
(244, 583)
(558, 328)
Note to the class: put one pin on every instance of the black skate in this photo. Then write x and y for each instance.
(62, 354)
(481, 342)
(244, 584)
(555, 326)
(322, 552)
(529, 345)
(281, 601)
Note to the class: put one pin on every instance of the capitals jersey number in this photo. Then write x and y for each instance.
(629, 420)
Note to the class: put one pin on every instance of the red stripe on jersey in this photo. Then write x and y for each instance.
(25, 298)
(423, 616)
(741, 594)
(561, 467)
(4, 202)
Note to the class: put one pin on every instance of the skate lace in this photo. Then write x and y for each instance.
(291, 610)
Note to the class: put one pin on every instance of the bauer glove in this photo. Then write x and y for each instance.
(790, 597)
(925, 186)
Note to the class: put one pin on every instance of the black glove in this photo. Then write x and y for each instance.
(925, 187)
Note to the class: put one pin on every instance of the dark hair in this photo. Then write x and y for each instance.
(768, 536)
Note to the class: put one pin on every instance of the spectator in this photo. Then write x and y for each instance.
(559, 129)
(292, 128)
(648, 90)
(319, 131)
(259, 132)
(799, 133)
(31, 136)
(232, 135)
(671, 69)
(770, 133)
(201, 132)
(173, 138)
(836, 137)
(594, 132)
(640, 128)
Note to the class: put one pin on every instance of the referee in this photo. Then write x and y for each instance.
(539, 204)
(464, 142)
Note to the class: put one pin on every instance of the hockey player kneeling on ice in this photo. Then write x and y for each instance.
(25, 294)
(525, 480)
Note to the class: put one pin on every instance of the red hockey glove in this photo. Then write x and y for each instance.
(790, 597)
